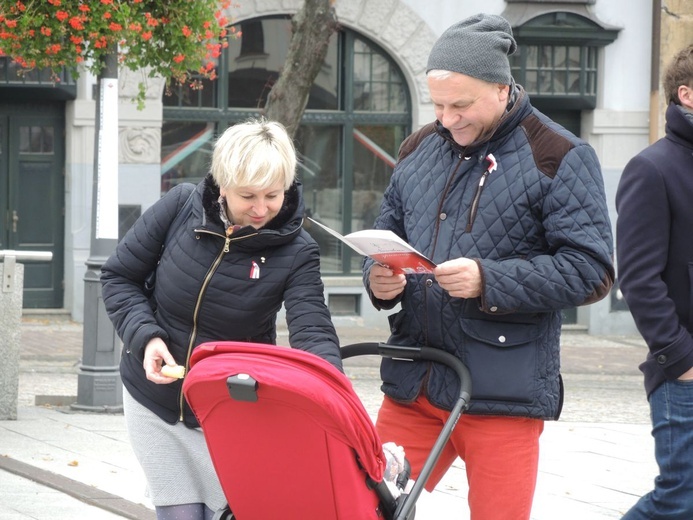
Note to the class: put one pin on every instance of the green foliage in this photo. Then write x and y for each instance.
(168, 38)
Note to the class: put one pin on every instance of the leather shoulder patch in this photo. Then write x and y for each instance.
(414, 140)
(548, 147)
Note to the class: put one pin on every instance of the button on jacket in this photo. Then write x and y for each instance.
(210, 287)
(538, 227)
(655, 248)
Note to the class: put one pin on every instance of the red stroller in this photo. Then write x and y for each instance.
(291, 440)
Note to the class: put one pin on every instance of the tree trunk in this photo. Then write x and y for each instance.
(311, 29)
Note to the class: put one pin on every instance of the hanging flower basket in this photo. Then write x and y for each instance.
(180, 40)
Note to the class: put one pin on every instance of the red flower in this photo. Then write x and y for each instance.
(76, 23)
(65, 33)
(53, 49)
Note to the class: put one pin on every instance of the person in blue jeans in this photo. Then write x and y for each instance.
(654, 237)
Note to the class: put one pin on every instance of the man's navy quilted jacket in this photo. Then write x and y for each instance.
(538, 226)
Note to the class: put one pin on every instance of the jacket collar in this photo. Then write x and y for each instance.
(679, 125)
(285, 225)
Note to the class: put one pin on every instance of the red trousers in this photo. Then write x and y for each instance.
(501, 454)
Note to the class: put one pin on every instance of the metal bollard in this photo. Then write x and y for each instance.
(10, 324)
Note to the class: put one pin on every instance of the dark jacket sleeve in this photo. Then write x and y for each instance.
(643, 234)
(307, 316)
(390, 217)
(123, 274)
(577, 268)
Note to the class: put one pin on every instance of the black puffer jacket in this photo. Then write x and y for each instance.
(538, 227)
(204, 289)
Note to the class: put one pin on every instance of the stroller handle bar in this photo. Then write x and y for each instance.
(406, 507)
(413, 354)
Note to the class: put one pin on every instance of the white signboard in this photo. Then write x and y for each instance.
(107, 162)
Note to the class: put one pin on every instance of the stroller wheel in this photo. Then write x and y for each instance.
(224, 514)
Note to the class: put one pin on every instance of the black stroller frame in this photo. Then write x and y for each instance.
(405, 506)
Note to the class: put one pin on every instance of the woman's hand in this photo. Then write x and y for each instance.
(156, 354)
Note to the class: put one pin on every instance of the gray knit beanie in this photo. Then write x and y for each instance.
(478, 46)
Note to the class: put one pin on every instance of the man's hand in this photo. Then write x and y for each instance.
(459, 277)
(384, 283)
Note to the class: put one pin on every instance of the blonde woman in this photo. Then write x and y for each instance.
(234, 253)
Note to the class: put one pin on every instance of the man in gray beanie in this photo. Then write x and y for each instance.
(478, 47)
(511, 208)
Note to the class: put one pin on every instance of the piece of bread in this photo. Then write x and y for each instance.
(177, 371)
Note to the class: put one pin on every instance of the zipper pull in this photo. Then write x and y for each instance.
(483, 179)
(492, 167)
(230, 231)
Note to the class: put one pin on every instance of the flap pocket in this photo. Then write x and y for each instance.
(502, 358)
(501, 333)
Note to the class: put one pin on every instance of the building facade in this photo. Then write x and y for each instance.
(587, 64)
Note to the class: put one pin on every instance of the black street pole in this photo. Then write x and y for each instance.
(99, 387)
